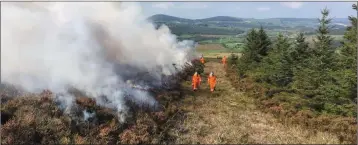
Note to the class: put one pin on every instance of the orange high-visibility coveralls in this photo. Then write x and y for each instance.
(224, 61)
(202, 60)
(212, 82)
(196, 80)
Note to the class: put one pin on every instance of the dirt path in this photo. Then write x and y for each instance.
(228, 116)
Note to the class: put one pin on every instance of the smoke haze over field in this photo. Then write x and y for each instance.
(89, 46)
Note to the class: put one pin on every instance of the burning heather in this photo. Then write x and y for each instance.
(107, 51)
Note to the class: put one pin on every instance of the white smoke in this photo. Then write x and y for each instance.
(76, 44)
(87, 115)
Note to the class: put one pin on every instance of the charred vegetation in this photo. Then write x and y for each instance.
(38, 119)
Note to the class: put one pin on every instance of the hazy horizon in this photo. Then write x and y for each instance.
(257, 10)
(243, 17)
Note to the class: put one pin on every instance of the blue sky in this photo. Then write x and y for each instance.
(196, 10)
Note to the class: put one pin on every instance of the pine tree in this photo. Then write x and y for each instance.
(323, 49)
(264, 43)
(323, 62)
(330, 84)
(349, 49)
(304, 77)
(347, 75)
(324, 58)
(287, 62)
(277, 64)
(256, 46)
(301, 51)
(313, 76)
(250, 53)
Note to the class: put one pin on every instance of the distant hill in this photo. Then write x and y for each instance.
(284, 22)
(220, 18)
(226, 25)
(167, 18)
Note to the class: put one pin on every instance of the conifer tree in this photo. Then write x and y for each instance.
(250, 52)
(301, 51)
(277, 64)
(314, 72)
(257, 46)
(264, 43)
(347, 76)
(349, 48)
(323, 49)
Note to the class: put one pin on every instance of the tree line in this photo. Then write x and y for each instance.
(324, 74)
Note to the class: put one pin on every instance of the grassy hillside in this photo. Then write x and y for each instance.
(269, 23)
(230, 31)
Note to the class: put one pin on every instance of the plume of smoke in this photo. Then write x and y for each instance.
(88, 46)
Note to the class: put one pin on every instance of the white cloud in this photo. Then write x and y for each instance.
(192, 5)
(261, 9)
(293, 5)
(163, 5)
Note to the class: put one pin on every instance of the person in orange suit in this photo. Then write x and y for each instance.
(196, 81)
(202, 60)
(224, 61)
(212, 81)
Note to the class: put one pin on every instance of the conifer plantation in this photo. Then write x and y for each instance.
(315, 85)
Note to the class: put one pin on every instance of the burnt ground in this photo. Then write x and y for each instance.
(225, 116)
(40, 119)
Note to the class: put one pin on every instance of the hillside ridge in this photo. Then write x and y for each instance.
(230, 18)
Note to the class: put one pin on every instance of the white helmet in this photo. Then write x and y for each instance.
(211, 73)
